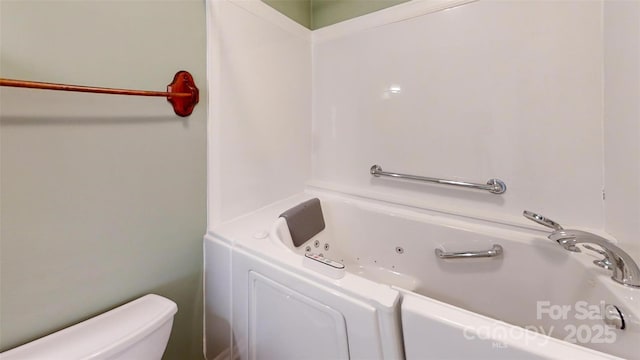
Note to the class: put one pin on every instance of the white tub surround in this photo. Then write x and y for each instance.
(461, 90)
(621, 126)
(260, 101)
(488, 89)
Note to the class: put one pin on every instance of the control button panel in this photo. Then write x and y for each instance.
(321, 264)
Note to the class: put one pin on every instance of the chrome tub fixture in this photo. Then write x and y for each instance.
(496, 250)
(624, 269)
(494, 186)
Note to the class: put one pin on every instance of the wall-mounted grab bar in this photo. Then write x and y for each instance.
(496, 250)
(494, 186)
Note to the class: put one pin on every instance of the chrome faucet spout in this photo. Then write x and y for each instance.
(624, 269)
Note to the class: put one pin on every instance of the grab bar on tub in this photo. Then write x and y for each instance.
(494, 186)
(496, 250)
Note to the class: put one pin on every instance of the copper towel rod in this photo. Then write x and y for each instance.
(182, 93)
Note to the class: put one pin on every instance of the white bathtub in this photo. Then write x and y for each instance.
(396, 299)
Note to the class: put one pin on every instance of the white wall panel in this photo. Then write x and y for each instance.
(622, 120)
(489, 89)
(260, 81)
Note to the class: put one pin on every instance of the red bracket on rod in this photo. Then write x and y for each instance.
(183, 83)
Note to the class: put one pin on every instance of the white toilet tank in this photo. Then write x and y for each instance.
(138, 330)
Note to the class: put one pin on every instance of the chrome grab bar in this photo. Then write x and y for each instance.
(494, 186)
(496, 250)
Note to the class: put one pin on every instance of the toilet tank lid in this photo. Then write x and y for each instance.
(102, 335)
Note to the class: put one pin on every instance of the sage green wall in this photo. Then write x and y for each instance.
(297, 10)
(315, 14)
(102, 197)
(328, 12)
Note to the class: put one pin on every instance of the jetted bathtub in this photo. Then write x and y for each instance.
(371, 286)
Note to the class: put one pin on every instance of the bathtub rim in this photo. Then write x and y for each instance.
(515, 221)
